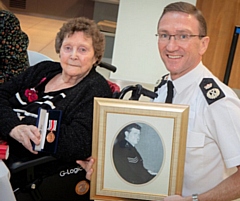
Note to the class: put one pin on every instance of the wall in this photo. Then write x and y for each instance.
(222, 17)
(135, 52)
(53, 8)
(106, 11)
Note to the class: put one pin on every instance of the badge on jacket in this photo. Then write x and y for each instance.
(211, 90)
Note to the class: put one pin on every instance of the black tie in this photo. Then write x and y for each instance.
(169, 92)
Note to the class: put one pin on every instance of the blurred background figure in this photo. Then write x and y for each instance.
(13, 46)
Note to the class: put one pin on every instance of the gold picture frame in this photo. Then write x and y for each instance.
(164, 124)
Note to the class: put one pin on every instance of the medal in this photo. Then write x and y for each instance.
(52, 125)
(50, 137)
(82, 187)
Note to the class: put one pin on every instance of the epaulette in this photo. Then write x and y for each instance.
(211, 90)
(161, 82)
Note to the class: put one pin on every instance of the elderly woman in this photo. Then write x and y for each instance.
(69, 86)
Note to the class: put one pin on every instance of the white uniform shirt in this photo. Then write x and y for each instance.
(213, 143)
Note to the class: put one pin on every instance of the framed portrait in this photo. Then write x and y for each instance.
(140, 149)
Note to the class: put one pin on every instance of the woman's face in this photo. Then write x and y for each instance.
(77, 55)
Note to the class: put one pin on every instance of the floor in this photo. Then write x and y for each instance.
(41, 32)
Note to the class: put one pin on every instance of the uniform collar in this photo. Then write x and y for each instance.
(183, 82)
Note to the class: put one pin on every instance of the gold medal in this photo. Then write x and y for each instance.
(82, 187)
(50, 137)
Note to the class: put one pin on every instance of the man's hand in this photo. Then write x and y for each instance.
(24, 134)
(177, 198)
(87, 166)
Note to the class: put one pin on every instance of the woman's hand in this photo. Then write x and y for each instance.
(24, 134)
(87, 166)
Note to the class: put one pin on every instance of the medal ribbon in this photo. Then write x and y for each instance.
(52, 125)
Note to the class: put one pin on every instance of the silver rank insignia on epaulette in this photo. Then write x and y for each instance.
(161, 82)
(211, 90)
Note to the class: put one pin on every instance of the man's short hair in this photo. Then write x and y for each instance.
(189, 9)
(128, 128)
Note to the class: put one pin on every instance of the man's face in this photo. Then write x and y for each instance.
(180, 57)
(133, 136)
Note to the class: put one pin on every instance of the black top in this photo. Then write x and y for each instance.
(76, 104)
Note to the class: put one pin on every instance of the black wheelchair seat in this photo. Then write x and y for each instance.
(48, 179)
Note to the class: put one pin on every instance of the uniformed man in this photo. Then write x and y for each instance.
(212, 162)
(127, 160)
(213, 146)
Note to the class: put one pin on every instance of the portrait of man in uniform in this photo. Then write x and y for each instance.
(127, 160)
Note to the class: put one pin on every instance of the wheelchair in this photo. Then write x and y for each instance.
(49, 179)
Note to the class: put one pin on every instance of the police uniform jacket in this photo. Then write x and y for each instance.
(213, 145)
(129, 163)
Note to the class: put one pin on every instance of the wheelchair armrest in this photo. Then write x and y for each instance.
(17, 166)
